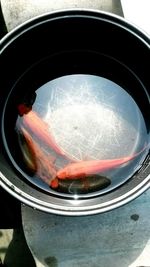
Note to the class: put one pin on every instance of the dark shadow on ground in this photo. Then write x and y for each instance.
(18, 253)
(10, 211)
(3, 29)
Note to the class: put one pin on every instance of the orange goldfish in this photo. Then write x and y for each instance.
(83, 169)
(38, 127)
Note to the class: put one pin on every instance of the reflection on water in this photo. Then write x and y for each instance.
(83, 134)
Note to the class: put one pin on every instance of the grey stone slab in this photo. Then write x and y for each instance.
(5, 239)
(119, 238)
(16, 11)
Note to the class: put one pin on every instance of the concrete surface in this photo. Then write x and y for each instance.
(117, 238)
(5, 239)
(120, 238)
(18, 11)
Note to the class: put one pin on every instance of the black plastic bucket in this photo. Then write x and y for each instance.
(80, 78)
